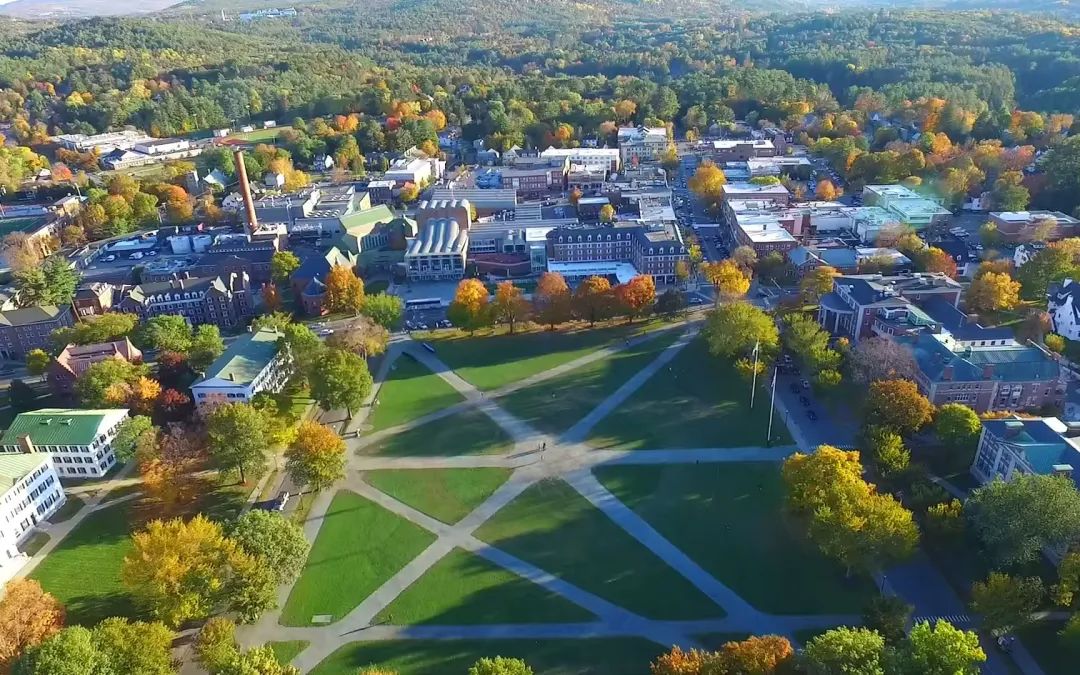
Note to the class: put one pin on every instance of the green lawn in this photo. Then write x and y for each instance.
(493, 362)
(260, 135)
(1042, 640)
(729, 518)
(410, 391)
(463, 588)
(555, 405)
(609, 656)
(446, 494)
(697, 401)
(69, 509)
(469, 432)
(83, 571)
(558, 530)
(360, 545)
(288, 650)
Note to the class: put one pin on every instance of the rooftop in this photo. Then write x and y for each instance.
(242, 362)
(16, 466)
(1046, 443)
(775, 189)
(439, 236)
(59, 426)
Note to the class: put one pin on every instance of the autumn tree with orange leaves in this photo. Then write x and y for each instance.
(759, 655)
(510, 305)
(470, 308)
(169, 462)
(141, 395)
(316, 457)
(593, 299)
(28, 616)
(636, 297)
(344, 290)
(551, 299)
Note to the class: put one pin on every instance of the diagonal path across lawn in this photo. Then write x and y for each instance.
(536, 457)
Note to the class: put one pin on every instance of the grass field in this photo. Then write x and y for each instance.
(83, 571)
(1043, 642)
(410, 391)
(610, 656)
(493, 362)
(288, 650)
(463, 588)
(698, 401)
(9, 225)
(259, 135)
(360, 545)
(555, 405)
(470, 432)
(69, 509)
(556, 529)
(445, 494)
(729, 518)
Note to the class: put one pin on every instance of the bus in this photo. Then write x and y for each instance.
(421, 304)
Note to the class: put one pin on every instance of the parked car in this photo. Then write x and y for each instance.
(806, 384)
(109, 258)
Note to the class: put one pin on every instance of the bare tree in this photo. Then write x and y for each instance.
(362, 336)
(881, 359)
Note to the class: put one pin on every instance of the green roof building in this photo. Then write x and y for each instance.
(79, 441)
(30, 492)
(254, 363)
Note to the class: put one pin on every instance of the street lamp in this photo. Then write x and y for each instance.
(753, 388)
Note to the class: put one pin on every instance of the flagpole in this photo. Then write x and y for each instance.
(772, 406)
(753, 389)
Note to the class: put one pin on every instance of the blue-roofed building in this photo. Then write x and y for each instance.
(1009, 447)
(984, 369)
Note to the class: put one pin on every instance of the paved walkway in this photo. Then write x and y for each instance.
(566, 458)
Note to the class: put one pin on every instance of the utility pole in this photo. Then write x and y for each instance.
(753, 388)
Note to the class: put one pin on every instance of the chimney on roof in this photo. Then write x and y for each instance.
(1065, 470)
(26, 445)
(988, 371)
(245, 192)
(947, 373)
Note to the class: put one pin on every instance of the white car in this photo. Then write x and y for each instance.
(109, 258)
(151, 253)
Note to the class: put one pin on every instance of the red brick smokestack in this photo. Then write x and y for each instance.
(245, 191)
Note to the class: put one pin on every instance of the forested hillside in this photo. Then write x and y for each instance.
(543, 71)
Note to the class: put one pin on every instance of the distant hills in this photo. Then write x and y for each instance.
(61, 9)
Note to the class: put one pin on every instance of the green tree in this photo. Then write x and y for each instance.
(238, 436)
(846, 651)
(500, 666)
(958, 427)
(52, 283)
(340, 380)
(37, 361)
(888, 615)
(732, 330)
(277, 541)
(817, 283)
(69, 652)
(128, 435)
(888, 449)
(282, 265)
(21, 396)
(93, 329)
(206, 345)
(1006, 602)
(135, 646)
(384, 309)
(1016, 519)
(92, 386)
(167, 332)
(1048, 266)
(939, 650)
